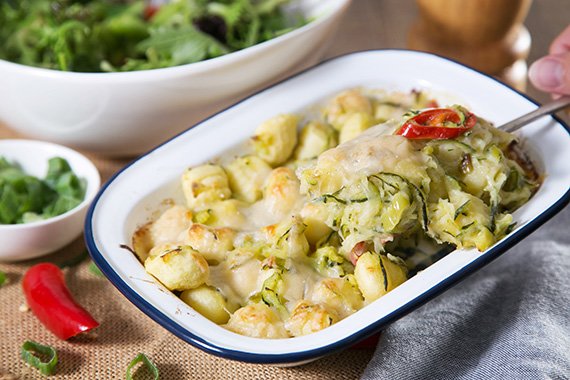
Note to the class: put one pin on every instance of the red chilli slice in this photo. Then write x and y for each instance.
(438, 123)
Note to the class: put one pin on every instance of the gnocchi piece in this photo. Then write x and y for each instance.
(170, 224)
(241, 274)
(341, 295)
(142, 242)
(209, 302)
(282, 191)
(462, 220)
(354, 125)
(344, 104)
(307, 318)
(222, 214)
(212, 243)
(204, 185)
(384, 111)
(287, 240)
(314, 139)
(257, 320)
(164, 230)
(315, 217)
(394, 105)
(246, 176)
(178, 267)
(377, 274)
(276, 138)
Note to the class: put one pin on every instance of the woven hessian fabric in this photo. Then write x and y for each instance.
(125, 331)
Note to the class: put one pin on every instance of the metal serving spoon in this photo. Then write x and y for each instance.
(546, 109)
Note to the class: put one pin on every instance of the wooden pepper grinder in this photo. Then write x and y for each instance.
(485, 34)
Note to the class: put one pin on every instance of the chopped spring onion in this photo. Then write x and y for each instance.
(74, 261)
(33, 353)
(141, 358)
(94, 269)
(270, 294)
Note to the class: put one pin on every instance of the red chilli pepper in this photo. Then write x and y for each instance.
(149, 11)
(438, 123)
(52, 303)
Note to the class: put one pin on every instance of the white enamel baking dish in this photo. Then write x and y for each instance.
(130, 197)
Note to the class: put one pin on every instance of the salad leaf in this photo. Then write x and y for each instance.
(110, 35)
(24, 198)
(183, 45)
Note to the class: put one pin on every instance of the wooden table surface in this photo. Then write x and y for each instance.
(369, 24)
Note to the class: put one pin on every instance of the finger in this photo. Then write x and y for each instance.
(561, 44)
(552, 74)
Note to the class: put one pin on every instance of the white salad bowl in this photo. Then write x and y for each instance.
(30, 240)
(131, 197)
(126, 113)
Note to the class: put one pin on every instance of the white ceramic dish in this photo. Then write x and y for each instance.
(29, 240)
(128, 113)
(129, 198)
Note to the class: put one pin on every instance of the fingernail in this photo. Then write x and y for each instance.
(547, 73)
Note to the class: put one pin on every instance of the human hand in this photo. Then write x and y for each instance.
(552, 73)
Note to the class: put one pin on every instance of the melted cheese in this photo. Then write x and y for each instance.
(277, 258)
(370, 153)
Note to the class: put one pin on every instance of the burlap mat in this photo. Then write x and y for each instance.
(126, 331)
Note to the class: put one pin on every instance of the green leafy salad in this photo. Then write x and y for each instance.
(128, 35)
(25, 198)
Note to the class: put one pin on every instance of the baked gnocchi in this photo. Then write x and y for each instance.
(326, 212)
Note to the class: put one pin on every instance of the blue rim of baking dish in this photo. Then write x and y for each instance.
(374, 327)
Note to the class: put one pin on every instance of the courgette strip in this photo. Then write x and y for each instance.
(461, 209)
(384, 273)
(417, 194)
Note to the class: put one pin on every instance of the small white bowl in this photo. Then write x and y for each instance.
(126, 113)
(30, 240)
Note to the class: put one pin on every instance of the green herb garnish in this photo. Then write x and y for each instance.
(74, 261)
(94, 269)
(25, 198)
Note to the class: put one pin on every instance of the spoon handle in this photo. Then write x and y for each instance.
(546, 109)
